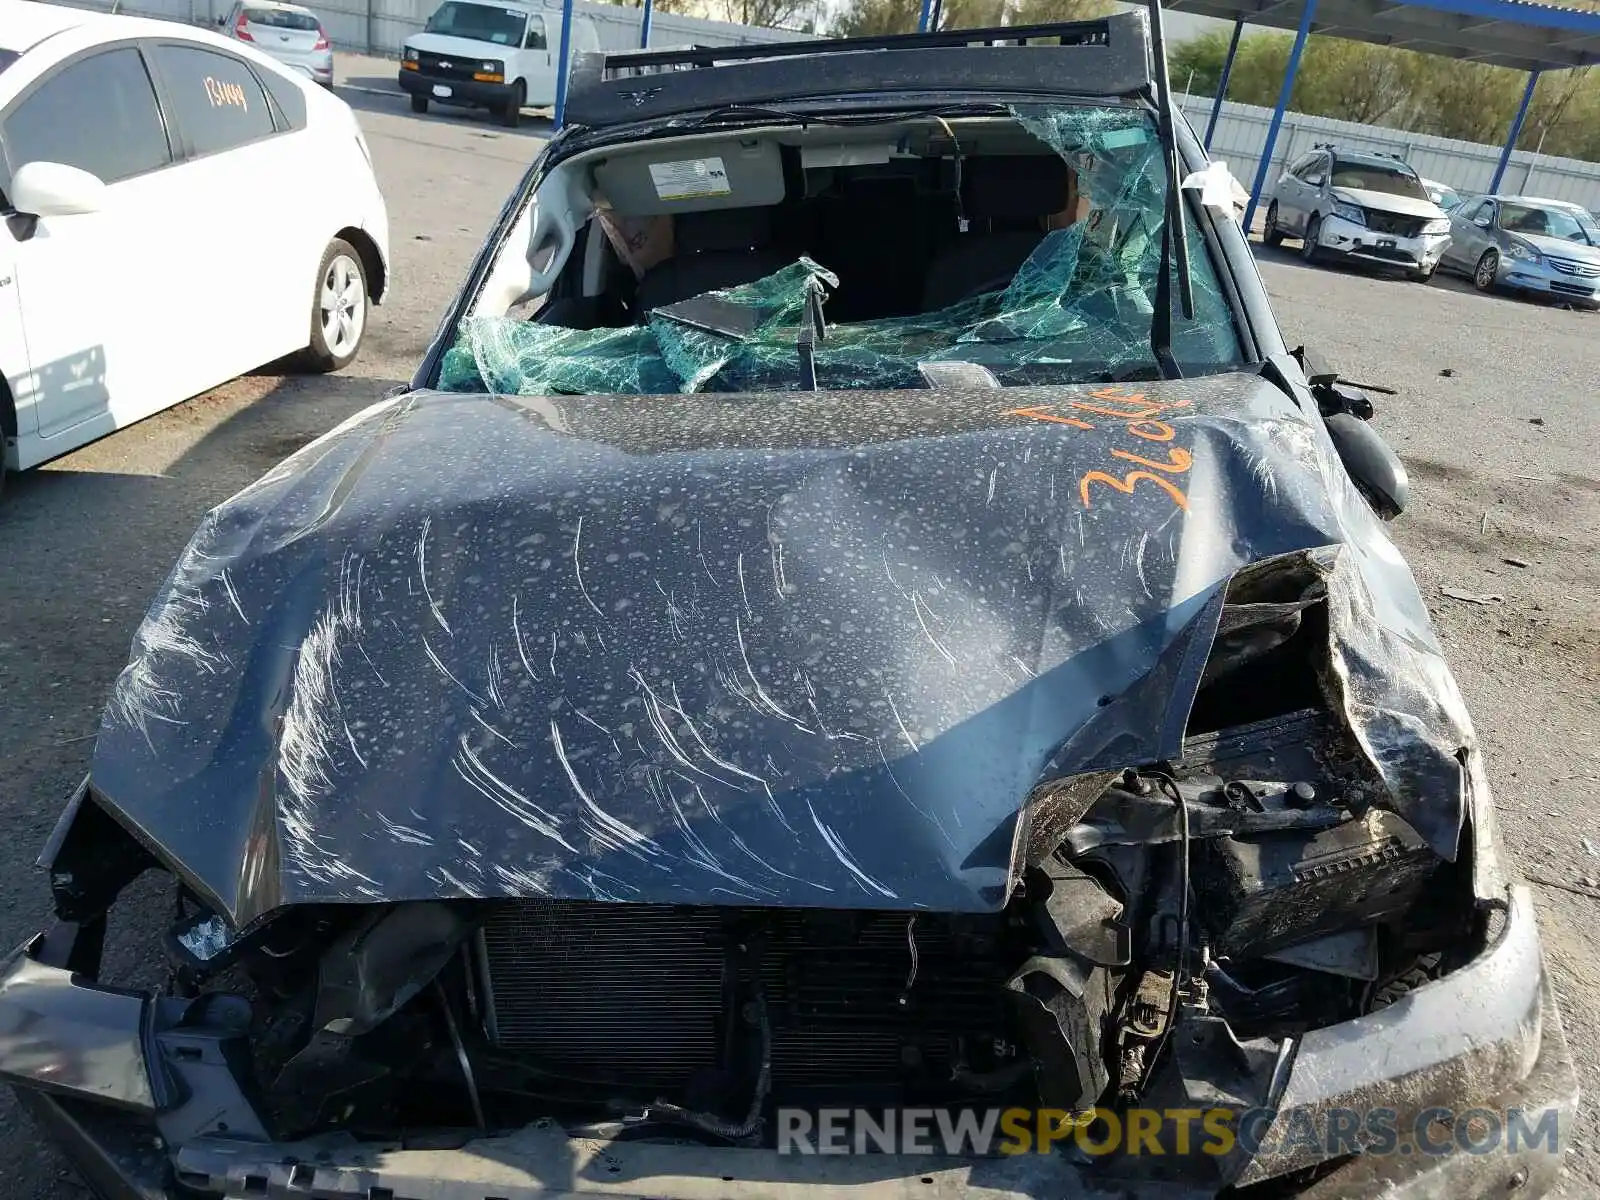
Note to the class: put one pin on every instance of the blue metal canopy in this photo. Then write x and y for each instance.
(1503, 33)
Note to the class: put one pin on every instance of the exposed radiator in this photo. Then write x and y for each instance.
(1393, 223)
(636, 992)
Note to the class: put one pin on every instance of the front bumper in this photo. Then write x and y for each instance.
(1347, 239)
(1547, 280)
(146, 1094)
(455, 91)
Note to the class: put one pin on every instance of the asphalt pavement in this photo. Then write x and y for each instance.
(1496, 419)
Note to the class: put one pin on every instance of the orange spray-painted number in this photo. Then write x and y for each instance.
(1179, 460)
(1038, 413)
(1126, 484)
(1152, 431)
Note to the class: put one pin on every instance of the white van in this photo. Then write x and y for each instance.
(499, 56)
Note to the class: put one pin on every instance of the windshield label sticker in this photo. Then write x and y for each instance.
(690, 179)
(1137, 414)
(225, 95)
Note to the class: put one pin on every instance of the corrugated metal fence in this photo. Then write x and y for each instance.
(380, 26)
(1465, 166)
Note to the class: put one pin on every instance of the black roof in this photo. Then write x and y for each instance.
(1110, 56)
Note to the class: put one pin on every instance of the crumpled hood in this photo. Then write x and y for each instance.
(1406, 206)
(801, 649)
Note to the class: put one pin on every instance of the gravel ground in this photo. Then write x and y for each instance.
(1496, 420)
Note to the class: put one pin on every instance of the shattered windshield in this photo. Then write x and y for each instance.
(478, 23)
(1546, 222)
(1370, 177)
(1077, 309)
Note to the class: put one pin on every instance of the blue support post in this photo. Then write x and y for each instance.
(644, 24)
(1284, 93)
(1516, 131)
(1222, 84)
(927, 13)
(563, 62)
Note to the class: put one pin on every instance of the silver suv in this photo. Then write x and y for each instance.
(1358, 206)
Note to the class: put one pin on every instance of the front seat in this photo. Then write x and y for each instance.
(711, 250)
(1006, 201)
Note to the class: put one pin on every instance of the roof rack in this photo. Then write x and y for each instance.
(1400, 158)
(1109, 56)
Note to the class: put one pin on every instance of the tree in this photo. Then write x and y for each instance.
(871, 18)
(768, 14)
(1401, 89)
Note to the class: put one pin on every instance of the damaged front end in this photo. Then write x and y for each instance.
(1257, 929)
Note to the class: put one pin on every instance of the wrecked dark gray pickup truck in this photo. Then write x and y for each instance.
(861, 666)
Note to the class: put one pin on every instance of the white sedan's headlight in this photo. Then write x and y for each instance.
(1349, 212)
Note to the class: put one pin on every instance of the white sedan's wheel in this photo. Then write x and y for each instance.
(339, 309)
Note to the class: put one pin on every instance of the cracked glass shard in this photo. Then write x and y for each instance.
(1077, 310)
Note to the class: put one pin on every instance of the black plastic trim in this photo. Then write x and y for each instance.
(1109, 57)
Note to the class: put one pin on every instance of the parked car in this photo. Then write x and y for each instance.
(1527, 244)
(499, 56)
(134, 149)
(1356, 206)
(289, 33)
(1442, 194)
(822, 639)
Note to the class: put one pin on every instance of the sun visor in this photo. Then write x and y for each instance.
(703, 176)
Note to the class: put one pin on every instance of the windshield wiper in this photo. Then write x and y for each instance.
(1174, 232)
(812, 330)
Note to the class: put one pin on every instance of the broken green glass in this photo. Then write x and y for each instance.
(1079, 308)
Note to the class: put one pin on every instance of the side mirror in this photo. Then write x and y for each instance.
(222, 21)
(1374, 467)
(48, 189)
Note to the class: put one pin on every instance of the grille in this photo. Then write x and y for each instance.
(1571, 266)
(447, 66)
(1393, 224)
(636, 992)
(1388, 253)
(1571, 289)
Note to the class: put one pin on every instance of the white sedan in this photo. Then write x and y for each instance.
(179, 209)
